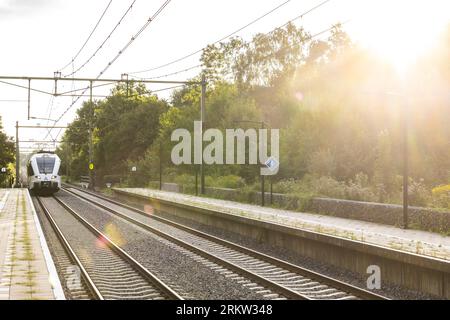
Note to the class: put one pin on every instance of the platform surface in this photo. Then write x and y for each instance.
(27, 271)
(414, 241)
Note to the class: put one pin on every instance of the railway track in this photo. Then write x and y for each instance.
(277, 276)
(106, 272)
(68, 263)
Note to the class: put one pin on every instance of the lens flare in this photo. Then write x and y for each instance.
(148, 209)
(113, 233)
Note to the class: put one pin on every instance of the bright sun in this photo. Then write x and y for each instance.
(402, 30)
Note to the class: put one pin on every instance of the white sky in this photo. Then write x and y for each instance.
(40, 36)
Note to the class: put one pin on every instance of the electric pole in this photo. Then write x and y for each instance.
(263, 182)
(160, 165)
(17, 156)
(91, 149)
(405, 166)
(203, 119)
(67, 161)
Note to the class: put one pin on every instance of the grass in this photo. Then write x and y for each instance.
(107, 191)
(23, 244)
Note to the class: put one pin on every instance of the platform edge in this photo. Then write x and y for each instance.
(58, 291)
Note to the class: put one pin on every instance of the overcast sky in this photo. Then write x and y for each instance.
(39, 37)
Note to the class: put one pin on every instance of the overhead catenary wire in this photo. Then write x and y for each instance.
(133, 38)
(153, 17)
(115, 121)
(88, 38)
(104, 41)
(120, 52)
(169, 74)
(221, 39)
(307, 40)
(198, 51)
(85, 88)
(23, 87)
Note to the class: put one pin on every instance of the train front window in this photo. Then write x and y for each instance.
(45, 165)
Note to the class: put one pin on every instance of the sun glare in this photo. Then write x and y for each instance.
(401, 31)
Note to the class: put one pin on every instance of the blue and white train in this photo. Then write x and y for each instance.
(43, 173)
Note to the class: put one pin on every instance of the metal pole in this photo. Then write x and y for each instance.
(29, 97)
(202, 119)
(67, 162)
(94, 79)
(160, 166)
(405, 167)
(196, 180)
(271, 191)
(91, 149)
(17, 156)
(263, 195)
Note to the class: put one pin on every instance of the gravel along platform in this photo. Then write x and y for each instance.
(388, 290)
(190, 275)
(60, 258)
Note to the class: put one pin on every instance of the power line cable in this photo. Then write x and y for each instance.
(85, 88)
(226, 37)
(169, 74)
(193, 67)
(104, 41)
(88, 38)
(307, 40)
(133, 38)
(135, 95)
(153, 17)
(23, 87)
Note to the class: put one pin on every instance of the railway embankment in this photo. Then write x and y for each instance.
(414, 259)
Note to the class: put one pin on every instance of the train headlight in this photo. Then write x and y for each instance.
(37, 177)
(54, 177)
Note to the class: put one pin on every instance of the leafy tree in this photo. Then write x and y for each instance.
(124, 126)
(7, 153)
(339, 127)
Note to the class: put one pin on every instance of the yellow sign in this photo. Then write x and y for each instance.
(91, 166)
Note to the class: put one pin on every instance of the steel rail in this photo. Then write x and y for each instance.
(149, 276)
(71, 253)
(235, 268)
(334, 283)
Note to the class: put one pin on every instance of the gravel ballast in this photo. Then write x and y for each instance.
(388, 290)
(188, 274)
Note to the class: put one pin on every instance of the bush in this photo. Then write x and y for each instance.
(360, 190)
(357, 189)
(441, 196)
(153, 185)
(292, 186)
(113, 178)
(229, 181)
(418, 194)
(185, 179)
(329, 187)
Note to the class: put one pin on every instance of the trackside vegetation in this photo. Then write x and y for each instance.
(340, 128)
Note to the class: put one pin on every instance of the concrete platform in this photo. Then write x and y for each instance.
(412, 259)
(414, 241)
(27, 271)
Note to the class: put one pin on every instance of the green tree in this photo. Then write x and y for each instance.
(7, 153)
